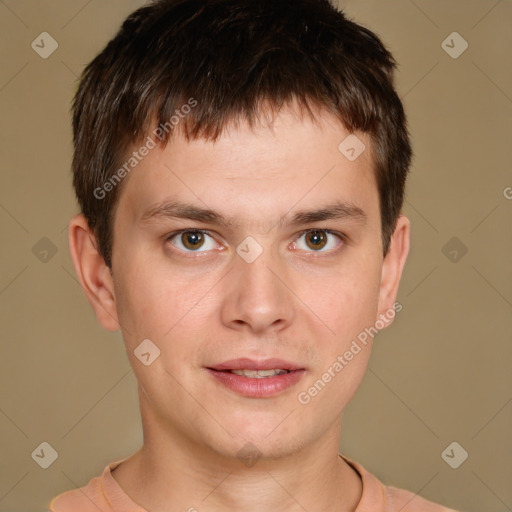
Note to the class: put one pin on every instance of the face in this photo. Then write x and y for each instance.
(260, 251)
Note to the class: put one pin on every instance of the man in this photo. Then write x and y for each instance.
(240, 167)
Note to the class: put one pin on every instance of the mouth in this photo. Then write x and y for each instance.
(257, 374)
(246, 364)
(257, 379)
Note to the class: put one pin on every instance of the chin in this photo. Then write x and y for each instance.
(255, 441)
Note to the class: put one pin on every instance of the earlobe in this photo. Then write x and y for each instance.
(92, 272)
(393, 265)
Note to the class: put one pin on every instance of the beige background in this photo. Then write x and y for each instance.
(441, 373)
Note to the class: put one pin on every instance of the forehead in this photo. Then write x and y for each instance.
(246, 171)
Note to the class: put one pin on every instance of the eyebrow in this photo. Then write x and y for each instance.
(338, 210)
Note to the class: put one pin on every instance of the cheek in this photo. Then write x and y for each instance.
(156, 304)
(166, 312)
(344, 301)
(139, 304)
(347, 306)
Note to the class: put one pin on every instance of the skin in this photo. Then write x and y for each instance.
(295, 301)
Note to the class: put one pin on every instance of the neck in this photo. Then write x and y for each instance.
(171, 472)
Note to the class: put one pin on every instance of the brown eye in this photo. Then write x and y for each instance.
(316, 239)
(319, 240)
(192, 239)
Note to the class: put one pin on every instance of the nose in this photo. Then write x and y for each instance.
(258, 296)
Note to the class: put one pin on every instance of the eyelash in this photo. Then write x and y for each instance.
(344, 239)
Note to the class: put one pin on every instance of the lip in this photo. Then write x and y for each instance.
(257, 388)
(253, 387)
(250, 364)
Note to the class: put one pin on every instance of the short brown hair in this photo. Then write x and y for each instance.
(232, 56)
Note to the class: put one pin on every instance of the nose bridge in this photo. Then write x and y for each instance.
(258, 297)
(254, 263)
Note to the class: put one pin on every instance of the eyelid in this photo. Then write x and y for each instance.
(342, 236)
(175, 234)
(186, 230)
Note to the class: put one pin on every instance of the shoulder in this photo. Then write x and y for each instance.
(407, 501)
(382, 498)
(85, 499)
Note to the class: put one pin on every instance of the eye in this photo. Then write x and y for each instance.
(320, 240)
(192, 240)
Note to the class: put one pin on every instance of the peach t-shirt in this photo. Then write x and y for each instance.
(105, 494)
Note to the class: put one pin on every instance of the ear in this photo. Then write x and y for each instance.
(92, 272)
(393, 266)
